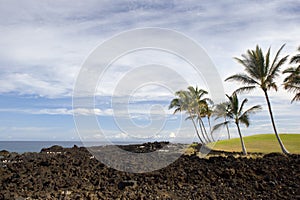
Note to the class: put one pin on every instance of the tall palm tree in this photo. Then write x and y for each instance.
(236, 115)
(221, 110)
(184, 103)
(260, 72)
(292, 81)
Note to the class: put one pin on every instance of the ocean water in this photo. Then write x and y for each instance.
(36, 146)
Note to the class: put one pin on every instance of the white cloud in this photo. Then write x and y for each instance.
(63, 111)
(45, 43)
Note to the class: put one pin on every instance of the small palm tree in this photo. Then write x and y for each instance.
(184, 103)
(235, 114)
(221, 110)
(260, 72)
(292, 81)
(200, 105)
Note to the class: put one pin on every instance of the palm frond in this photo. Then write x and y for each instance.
(242, 105)
(272, 85)
(292, 87)
(221, 110)
(244, 89)
(275, 69)
(190, 117)
(243, 78)
(268, 60)
(244, 119)
(177, 110)
(296, 98)
(217, 126)
(296, 58)
(254, 109)
(276, 57)
(289, 70)
(242, 62)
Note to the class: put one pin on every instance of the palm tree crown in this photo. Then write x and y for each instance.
(185, 103)
(193, 103)
(259, 70)
(236, 112)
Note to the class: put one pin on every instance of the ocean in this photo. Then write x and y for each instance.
(36, 146)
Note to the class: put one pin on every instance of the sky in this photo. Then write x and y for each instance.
(44, 45)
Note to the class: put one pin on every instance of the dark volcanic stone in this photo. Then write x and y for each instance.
(55, 148)
(75, 174)
(4, 153)
(144, 148)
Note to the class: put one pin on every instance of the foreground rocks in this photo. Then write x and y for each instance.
(73, 173)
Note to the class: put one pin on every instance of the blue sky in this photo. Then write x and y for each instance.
(44, 44)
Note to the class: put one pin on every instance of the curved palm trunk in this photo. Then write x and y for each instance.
(204, 129)
(195, 126)
(284, 150)
(242, 140)
(212, 137)
(208, 119)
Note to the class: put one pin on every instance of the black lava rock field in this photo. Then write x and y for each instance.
(73, 173)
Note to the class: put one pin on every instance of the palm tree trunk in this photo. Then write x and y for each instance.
(227, 130)
(208, 119)
(204, 129)
(195, 126)
(242, 140)
(212, 137)
(284, 150)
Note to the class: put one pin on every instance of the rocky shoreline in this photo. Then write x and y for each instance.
(73, 173)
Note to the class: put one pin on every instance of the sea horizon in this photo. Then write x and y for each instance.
(37, 146)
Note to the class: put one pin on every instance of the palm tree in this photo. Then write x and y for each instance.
(183, 103)
(221, 110)
(236, 115)
(200, 105)
(292, 81)
(260, 72)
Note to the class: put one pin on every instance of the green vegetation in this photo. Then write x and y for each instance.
(264, 143)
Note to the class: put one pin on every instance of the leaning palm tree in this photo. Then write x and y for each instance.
(221, 110)
(292, 81)
(260, 72)
(183, 103)
(236, 115)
